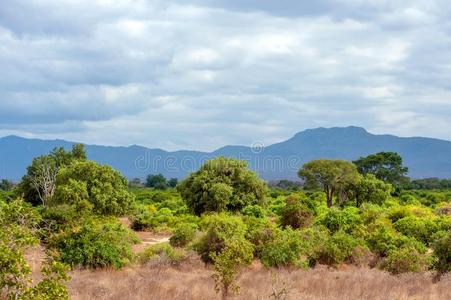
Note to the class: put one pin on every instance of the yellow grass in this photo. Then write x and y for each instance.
(191, 280)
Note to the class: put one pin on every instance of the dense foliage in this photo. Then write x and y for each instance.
(222, 184)
(38, 185)
(96, 245)
(159, 182)
(332, 175)
(386, 166)
(19, 231)
(86, 183)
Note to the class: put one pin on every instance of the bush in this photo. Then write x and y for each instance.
(347, 219)
(220, 230)
(339, 248)
(222, 184)
(183, 235)
(383, 238)
(421, 229)
(254, 211)
(442, 251)
(283, 249)
(163, 251)
(96, 245)
(225, 245)
(295, 214)
(18, 230)
(259, 233)
(237, 252)
(61, 218)
(313, 241)
(405, 259)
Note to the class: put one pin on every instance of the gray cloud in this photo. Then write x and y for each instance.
(203, 73)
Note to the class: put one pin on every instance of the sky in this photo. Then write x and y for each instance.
(201, 74)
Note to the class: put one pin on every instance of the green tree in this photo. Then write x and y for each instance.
(332, 175)
(369, 189)
(386, 166)
(38, 185)
(222, 184)
(173, 182)
(6, 185)
(87, 181)
(157, 181)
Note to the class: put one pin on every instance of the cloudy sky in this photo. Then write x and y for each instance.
(200, 74)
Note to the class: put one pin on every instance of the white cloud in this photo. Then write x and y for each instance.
(203, 73)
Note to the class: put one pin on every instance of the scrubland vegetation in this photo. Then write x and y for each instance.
(353, 230)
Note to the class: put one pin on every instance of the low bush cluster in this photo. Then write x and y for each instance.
(96, 245)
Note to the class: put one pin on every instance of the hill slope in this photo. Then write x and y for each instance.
(425, 157)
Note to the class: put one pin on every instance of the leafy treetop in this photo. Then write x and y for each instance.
(222, 184)
(386, 166)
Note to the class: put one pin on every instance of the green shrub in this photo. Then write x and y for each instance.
(220, 230)
(421, 229)
(18, 230)
(52, 285)
(96, 245)
(347, 219)
(226, 263)
(339, 248)
(276, 205)
(405, 259)
(225, 245)
(254, 211)
(183, 235)
(384, 238)
(60, 218)
(283, 249)
(442, 251)
(163, 251)
(408, 199)
(370, 213)
(259, 233)
(313, 240)
(295, 214)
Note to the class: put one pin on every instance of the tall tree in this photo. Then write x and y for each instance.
(331, 175)
(386, 166)
(369, 189)
(38, 185)
(157, 181)
(6, 185)
(222, 184)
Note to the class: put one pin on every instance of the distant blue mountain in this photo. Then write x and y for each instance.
(425, 157)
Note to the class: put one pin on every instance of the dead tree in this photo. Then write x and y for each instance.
(45, 181)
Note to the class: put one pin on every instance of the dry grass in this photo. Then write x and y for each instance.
(191, 280)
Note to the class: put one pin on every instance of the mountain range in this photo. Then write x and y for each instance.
(425, 157)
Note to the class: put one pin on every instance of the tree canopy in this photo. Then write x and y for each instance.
(386, 166)
(222, 184)
(38, 185)
(86, 183)
(369, 189)
(331, 175)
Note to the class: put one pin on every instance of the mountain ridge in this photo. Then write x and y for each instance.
(425, 157)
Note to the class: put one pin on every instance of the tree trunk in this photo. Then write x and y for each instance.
(329, 195)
